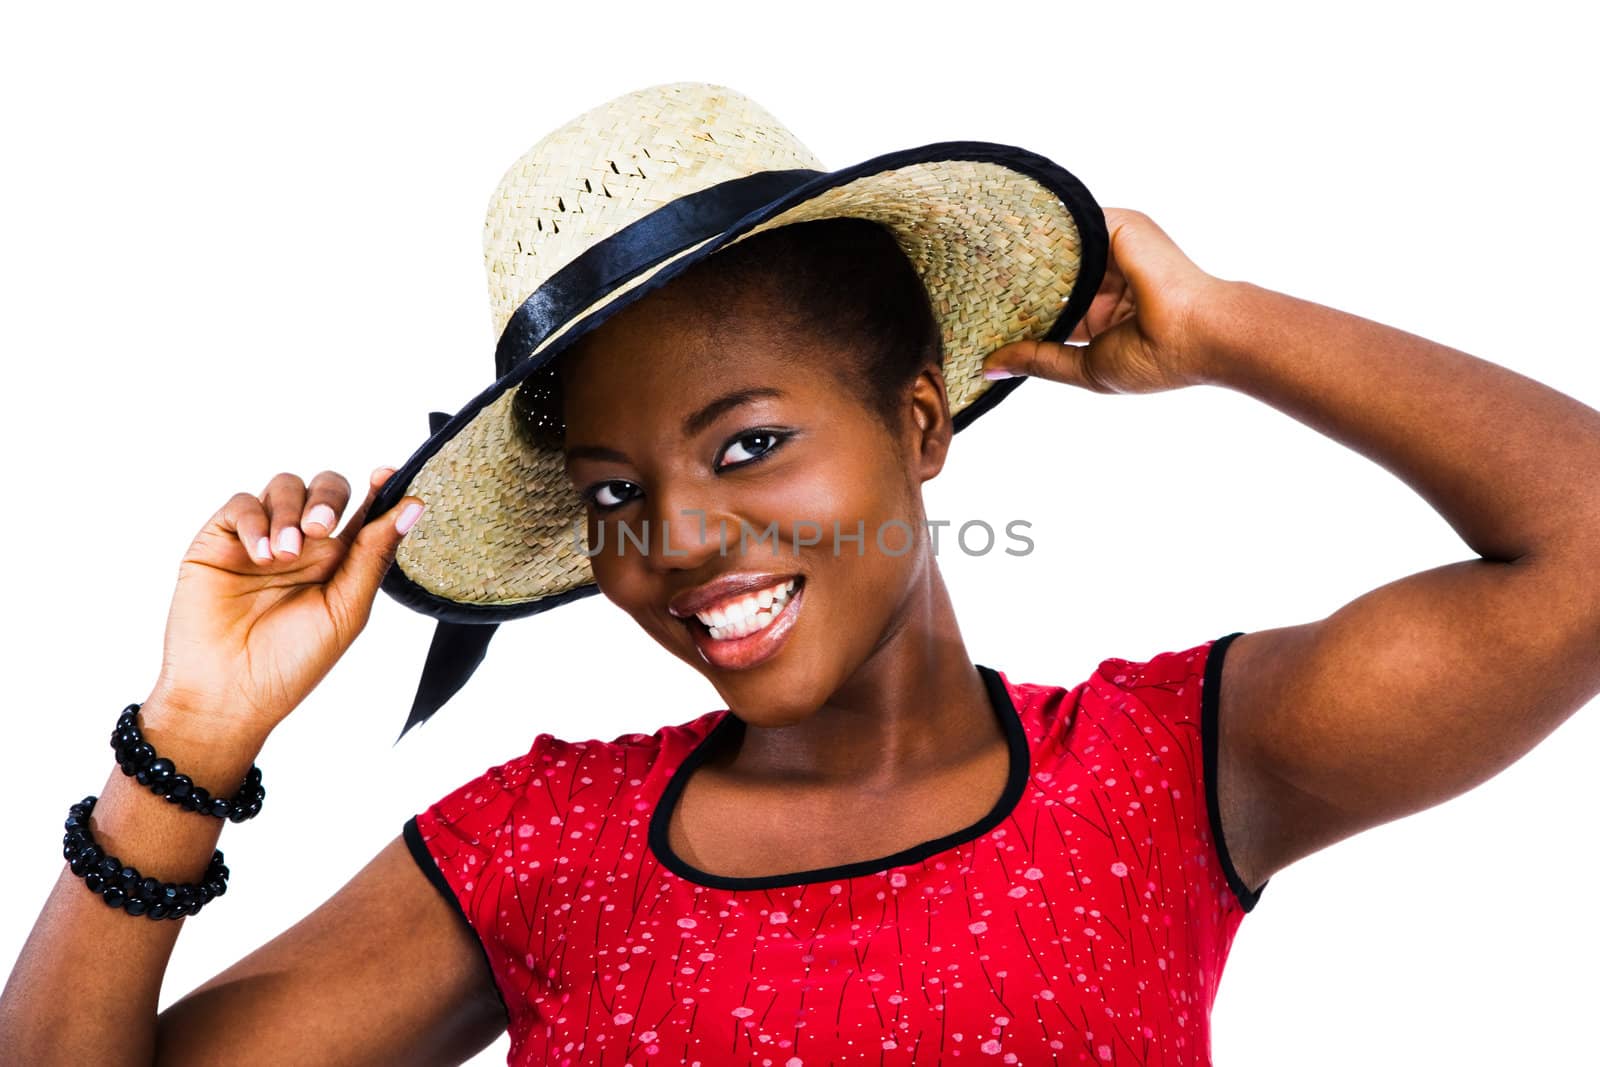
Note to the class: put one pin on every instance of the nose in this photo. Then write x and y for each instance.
(685, 530)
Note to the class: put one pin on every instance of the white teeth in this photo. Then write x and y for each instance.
(748, 614)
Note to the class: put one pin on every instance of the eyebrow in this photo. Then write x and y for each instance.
(699, 420)
(693, 424)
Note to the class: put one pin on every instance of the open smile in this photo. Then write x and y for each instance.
(751, 629)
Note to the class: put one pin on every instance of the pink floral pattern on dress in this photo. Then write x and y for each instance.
(1089, 926)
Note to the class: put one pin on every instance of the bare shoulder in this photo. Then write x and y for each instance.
(384, 972)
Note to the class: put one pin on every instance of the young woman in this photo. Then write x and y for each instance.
(879, 851)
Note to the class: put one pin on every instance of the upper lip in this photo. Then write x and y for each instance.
(704, 597)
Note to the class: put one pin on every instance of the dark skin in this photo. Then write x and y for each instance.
(870, 731)
(1420, 689)
(1410, 694)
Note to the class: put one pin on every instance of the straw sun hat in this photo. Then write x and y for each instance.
(630, 194)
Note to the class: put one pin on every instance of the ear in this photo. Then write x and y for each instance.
(930, 418)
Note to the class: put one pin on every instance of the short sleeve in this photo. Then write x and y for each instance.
(1173, 700)
(1210, 719)
(486, 847)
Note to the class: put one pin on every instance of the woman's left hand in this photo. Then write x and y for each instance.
(1143, 327)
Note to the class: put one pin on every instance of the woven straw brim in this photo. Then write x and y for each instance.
(1000, 255)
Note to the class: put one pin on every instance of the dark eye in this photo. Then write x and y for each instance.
(765, 441)
(605, 497)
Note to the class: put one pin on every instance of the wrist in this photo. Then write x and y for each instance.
(214, 750)
(1217, 324)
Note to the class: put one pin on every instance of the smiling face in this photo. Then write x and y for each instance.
(682, 406)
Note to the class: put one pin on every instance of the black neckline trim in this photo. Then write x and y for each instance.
(1016, 780)
(1210, 701)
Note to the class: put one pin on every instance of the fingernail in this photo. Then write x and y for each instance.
(289, 540)
(408, 518)
(996, 372)
(382, 473)
(263, 550)
(323, 516)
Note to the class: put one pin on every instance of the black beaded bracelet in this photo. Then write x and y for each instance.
(124, 887)
(139, 761)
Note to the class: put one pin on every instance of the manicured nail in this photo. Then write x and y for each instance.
(997, 372)
(264, 551)
(289, 540)
(408, 518)
(323, 516)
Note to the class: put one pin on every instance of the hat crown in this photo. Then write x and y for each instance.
(613, 165)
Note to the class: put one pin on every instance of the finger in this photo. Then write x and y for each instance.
(326, 498)
(285, 499)
(1111, 303)
(375, 482)
(244, 515)
(354, 585)
(1042, 359)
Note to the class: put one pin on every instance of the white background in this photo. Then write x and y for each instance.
(239, 239)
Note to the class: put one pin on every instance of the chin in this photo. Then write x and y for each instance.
(786, 690)
(769, 719)
(790, 690)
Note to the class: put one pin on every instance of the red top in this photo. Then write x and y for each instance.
(1085, 919)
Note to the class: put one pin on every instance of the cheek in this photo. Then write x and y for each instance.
(860, 493)
(629, 585)
(810, 504)
(621, 579)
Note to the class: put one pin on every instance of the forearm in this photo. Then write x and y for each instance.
(86, 986)
(1511, 464)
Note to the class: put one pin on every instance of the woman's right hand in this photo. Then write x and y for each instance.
(267, 600)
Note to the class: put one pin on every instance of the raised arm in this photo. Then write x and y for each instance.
(1420, 689)
(384, 972)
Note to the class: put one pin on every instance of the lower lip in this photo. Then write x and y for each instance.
(739, 653)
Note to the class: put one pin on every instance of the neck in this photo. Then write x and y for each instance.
(917, 705)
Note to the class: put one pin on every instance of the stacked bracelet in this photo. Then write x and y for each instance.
(139, 761)
(124, 887)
